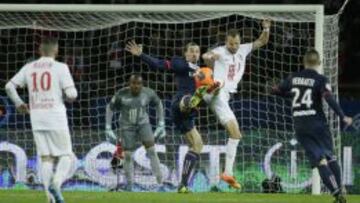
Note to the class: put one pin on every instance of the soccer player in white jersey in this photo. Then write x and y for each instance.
(228, 62)
(49, 82)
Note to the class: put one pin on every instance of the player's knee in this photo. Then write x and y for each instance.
(198, 146)
(47, 158)
(151, 151)
(148, 144)
(232, 127)
(128, 156)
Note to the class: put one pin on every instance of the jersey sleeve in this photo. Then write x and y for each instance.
(66, 79)
(246, 48)
(325, 86)
(19, 78)
(218, 50)
(154, 98)
(115, 102)
(180, 65)
(155, 63)
(325, 90)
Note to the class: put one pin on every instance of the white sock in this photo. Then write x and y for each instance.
(47, 168)
(129, 168)
(231, 147)
(62, 170)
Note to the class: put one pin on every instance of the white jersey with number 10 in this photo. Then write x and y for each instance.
(229, 68)
(45, 79)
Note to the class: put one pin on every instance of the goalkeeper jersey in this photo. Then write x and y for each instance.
(133, 109)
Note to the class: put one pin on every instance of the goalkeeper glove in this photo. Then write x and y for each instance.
(110, 135)
(160, 131)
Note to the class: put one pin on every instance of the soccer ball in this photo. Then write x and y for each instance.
(204, 77)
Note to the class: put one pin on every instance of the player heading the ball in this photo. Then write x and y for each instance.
(307, 88)
(46, 80)
(228, 62)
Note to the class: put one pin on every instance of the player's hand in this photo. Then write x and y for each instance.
(348, 120)
(133, 48)
(110, 135)
(215, 56)
(23, 108)
(160, 131)
(266, 23)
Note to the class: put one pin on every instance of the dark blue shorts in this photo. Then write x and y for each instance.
(316, 139)
(184, 122)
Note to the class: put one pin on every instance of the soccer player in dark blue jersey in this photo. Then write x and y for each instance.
(307, 88)
(183, 115)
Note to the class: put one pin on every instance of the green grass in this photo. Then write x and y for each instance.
(28, 196)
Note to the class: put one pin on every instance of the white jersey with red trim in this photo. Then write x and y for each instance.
(45, 79)
(229, 68)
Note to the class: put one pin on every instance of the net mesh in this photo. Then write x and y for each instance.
(92, 44)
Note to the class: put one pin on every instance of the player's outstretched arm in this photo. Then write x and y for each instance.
(20, 105)
(154, 63)
(264, 36)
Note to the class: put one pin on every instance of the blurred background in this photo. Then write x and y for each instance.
(349, 46)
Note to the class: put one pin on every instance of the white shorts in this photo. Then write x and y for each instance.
(219, 104)
(53, 142)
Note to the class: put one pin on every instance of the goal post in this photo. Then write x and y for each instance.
(92, 38)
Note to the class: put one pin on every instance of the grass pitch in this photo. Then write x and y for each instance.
(28, 196)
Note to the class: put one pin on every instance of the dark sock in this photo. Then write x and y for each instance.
(328, 179)
(189, 163)
(335, 168)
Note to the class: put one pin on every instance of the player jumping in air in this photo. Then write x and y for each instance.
(47, 80)
(183, 113)
(132, 102)
(229, 65)
(307, 88)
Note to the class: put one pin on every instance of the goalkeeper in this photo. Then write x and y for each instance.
(184, 103)
(132, 102)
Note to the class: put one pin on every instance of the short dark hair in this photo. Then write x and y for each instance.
(135, 76)
(311, 56)
(232, 33)
(49, 40)
(48, 44)
(190, 44)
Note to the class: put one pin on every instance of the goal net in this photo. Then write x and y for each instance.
(92, 44)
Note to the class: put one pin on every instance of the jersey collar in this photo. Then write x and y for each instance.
(193, 66)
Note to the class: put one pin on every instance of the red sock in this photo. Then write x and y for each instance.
(119, 151)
